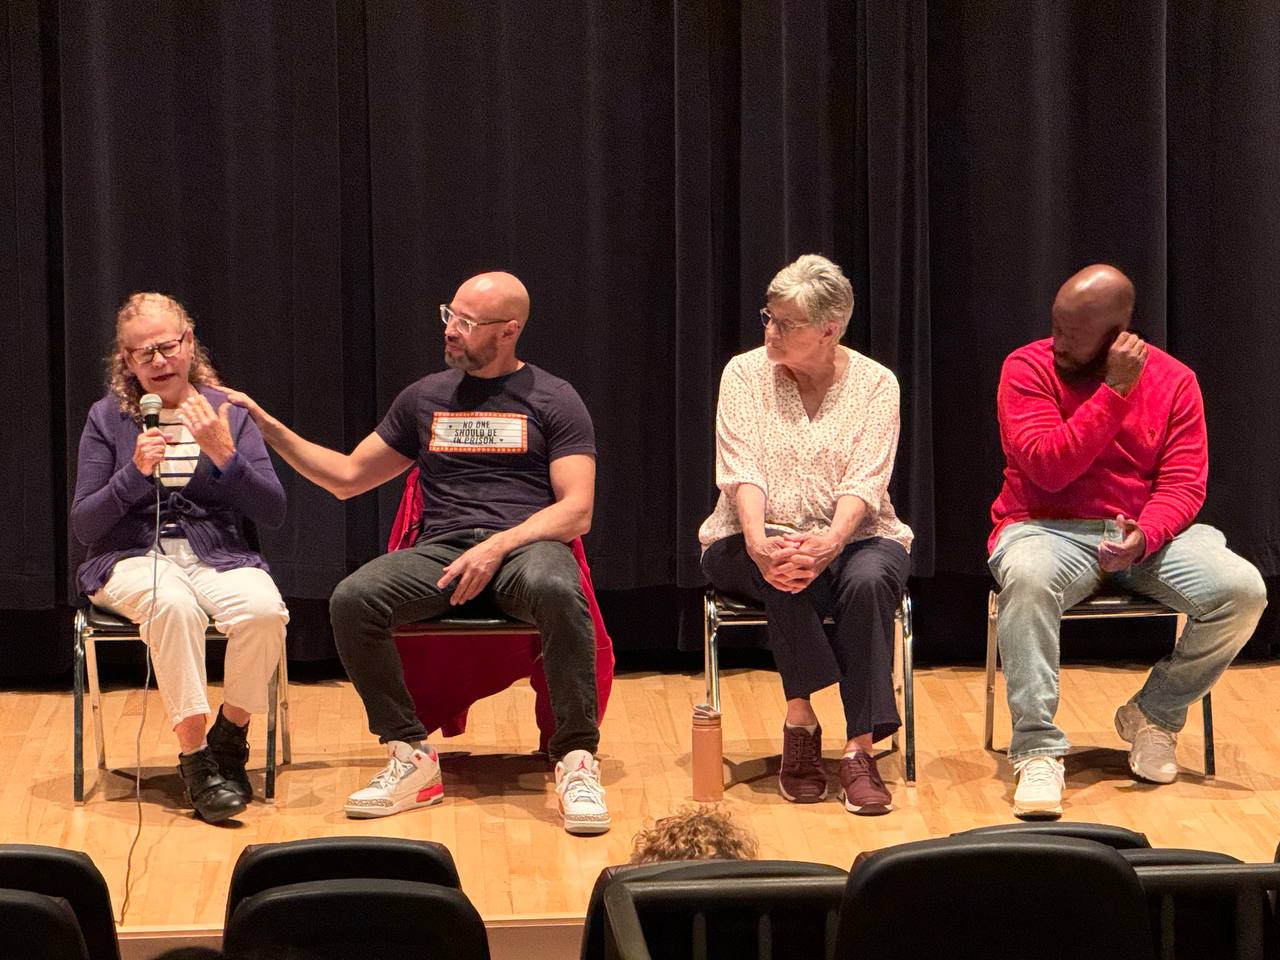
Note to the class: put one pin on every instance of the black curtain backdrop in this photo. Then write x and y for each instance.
(312, 178)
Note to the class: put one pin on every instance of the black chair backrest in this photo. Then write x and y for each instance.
(353, 919)
(266, 865)
(71, 875)
(739, 912)
(999, 897)
(1210, 905)
(593, 930)
(34, 926)
(1119, 838)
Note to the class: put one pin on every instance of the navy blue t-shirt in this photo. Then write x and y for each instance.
(485, 445)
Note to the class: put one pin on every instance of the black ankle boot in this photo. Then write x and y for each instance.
(207, 790)
(229, 745)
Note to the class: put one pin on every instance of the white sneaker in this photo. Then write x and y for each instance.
(410, 779)
(581, 796)
(1039, 793)
(1152, 756)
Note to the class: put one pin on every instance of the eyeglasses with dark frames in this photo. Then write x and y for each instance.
(448, 315)
(166, 349)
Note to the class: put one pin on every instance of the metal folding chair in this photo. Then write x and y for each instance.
(723, 611)
(93, 624)
(1100, 606)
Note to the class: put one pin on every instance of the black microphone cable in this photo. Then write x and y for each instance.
(142, 722)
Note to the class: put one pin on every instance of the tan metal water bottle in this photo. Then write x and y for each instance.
(708, 753)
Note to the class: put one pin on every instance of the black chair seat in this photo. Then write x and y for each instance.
(461, 625)
(106, 623)
(1106, 604)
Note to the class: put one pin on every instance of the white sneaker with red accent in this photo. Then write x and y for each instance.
(410, 779)
(581, 795)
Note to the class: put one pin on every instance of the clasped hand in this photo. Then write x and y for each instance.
(791, 561)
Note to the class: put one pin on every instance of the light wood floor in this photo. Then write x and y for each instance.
(499, 816)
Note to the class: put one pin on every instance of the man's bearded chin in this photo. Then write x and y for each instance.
(466, 361)
(1093, 369)
(1084, 372)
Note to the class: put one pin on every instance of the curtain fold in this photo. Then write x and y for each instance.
(312, 179)
(31, 537)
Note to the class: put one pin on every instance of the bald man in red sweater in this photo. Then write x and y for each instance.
(1106, 460)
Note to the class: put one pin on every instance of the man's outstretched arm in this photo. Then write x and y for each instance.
(345, 475)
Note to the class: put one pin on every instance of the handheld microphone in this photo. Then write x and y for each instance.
(149, 404)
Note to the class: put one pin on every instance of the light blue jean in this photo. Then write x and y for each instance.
(1045, 566)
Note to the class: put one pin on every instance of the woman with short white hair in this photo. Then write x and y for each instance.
(806, 433)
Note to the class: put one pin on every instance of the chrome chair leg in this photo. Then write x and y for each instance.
(273, 694)
(77, 708)
(711, 652)
(993, 615)
(95, 700)
(908, 689)
(282, 675)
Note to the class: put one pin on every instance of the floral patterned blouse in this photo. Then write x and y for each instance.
(765, 438)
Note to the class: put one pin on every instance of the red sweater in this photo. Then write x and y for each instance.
(1085, 452)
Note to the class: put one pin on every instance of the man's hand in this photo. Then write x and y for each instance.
(473, 570)
(1115, 556)
(775, 556)
(1125, 360)
(242, 399)
(148, 451)
(212, 431)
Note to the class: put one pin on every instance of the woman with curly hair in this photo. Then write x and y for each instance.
(694, 833)
(161, 511)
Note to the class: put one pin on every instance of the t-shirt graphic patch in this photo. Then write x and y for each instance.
(479, 432)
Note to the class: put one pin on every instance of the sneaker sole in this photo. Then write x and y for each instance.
(408, 803)
(587, 828)
(787, 796)
(1038, 813)
(867, 809)
(1152, 778)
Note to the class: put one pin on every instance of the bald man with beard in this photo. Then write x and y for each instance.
(1106, 461)
(506, 454)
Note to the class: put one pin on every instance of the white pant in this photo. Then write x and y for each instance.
(244, 604)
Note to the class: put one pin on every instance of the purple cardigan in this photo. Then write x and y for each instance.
(113, 512)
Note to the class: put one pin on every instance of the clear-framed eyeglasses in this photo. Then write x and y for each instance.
(167, 349)
(465, 324)
(767, 318)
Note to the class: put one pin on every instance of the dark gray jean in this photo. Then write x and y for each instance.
(538, 583)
